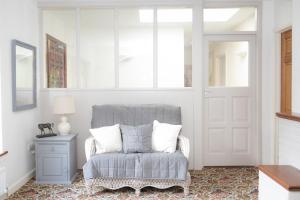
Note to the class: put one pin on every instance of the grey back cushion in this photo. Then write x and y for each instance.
(137, 139)
(134, 115)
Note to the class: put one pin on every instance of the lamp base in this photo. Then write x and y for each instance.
(64, 126)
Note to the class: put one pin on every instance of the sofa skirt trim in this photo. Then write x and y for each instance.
(136, 184)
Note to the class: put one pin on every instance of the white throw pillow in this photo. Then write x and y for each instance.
(108, 139)
(164, 137)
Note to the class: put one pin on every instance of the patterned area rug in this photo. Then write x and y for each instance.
(209, 183)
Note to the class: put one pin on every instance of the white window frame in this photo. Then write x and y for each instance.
(116, 9)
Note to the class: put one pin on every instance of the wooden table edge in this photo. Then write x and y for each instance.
(283, 183)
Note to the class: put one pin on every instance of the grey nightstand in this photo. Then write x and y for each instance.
(56, 159)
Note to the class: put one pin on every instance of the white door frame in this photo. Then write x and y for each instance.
(253, 83)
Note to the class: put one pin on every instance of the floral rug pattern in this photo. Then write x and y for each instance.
(212, 183)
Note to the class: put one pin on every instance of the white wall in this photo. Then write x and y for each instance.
(288, 132)
(268, 80)
(19, 20)
(296, 58)
(277, 15)
(283, 10)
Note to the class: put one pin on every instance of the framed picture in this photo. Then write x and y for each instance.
(56, 63)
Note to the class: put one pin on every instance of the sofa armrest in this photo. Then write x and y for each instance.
(90, 147)
(184, 145)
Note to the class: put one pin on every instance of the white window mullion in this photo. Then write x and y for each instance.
(78, 78)
(116, 42)
(155, 50)
(42, 51)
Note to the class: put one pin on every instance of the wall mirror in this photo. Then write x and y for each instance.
(23, 76)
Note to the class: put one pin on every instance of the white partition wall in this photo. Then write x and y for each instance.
(162, 75)
(176, 75)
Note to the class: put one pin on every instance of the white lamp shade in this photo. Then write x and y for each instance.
(64, 105)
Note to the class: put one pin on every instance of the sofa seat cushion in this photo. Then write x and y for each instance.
(137, 165)
(161, 165)
(111, 165)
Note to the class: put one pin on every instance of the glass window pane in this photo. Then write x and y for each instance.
(230, 19)
(174, 47)
(60, 25)
(228, 64)
(135, 48)
(97, 48)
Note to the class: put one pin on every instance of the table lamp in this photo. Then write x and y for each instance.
(64, 105)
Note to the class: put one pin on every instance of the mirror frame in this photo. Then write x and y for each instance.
(16, 107)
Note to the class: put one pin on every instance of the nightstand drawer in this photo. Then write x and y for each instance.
(52, 148)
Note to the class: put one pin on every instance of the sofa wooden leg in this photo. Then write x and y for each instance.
(186, 190)
(137, 192)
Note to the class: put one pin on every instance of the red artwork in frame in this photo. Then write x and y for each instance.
(56, 63)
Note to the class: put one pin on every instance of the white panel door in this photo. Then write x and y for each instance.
(229, 104)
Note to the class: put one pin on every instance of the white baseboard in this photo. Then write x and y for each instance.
(19, 183)
(198, 168)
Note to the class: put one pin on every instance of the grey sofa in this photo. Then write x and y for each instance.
(136, 170)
